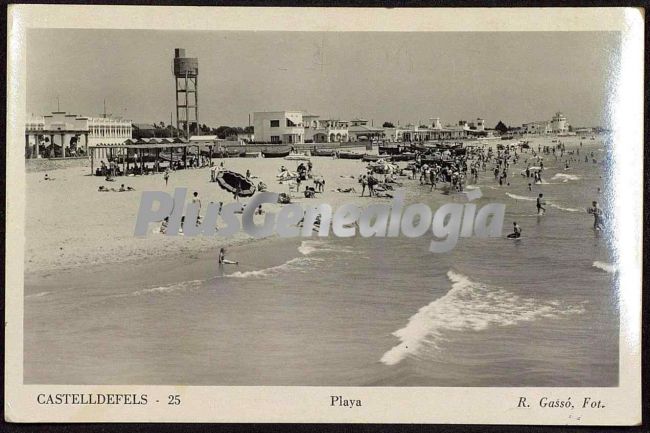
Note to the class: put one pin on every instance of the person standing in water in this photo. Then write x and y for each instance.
(223, 260)
(540, 204)
(597, 212)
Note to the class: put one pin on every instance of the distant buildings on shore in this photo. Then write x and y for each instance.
(557, 125)
(291, 127)
(67, 135)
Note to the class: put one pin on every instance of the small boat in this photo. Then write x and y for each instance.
(323, 152)
(251, 154)
(370, 158)
(389, 150)
(276, 153)
(297, 157)
(233, 153)
(406, 156)
(350, 155)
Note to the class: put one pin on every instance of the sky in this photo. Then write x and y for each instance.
(379, 76)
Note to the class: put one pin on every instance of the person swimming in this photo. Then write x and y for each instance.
(516, 231)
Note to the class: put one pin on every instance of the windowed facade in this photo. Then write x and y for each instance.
(279, 127)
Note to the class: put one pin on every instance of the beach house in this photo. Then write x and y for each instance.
(279, 127)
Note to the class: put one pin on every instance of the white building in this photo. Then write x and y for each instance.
(61, 135)
(538, 127)
(559, 123)
(281, 127)
(433, 132)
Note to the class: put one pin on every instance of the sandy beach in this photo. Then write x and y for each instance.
(100, 228)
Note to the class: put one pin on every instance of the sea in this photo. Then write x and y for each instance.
(537, 311)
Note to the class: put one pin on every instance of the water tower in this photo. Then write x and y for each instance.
(186, 75)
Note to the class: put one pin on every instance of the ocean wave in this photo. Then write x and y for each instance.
(468, 306)
(308, 247)
(311, 246)
(520, 197)
(292, 264)
(565, 177)
(607, 267)
(37, 295)
(567, 209)
(184, 285)
(551, 204)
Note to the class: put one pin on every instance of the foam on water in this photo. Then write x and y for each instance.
(184, 285)
(37, 295)
(520, 197)
(469, 306)
(310, 246)
(292, 264)
(567, 209)
(551, 204)
(565, 177)
(607, 267)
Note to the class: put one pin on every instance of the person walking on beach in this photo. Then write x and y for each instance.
(540, 204)
(166, 176)
(364, 182)
(213, 172)
(196, 200)
(432, 179)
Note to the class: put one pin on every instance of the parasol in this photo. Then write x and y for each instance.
(235, 183)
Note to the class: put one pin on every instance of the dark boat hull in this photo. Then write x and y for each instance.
(276, 153)
(350, 155)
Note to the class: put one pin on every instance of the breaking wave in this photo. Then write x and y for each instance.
(520, 197)
(565, 177)
(607, 267)
(567, 209)
(37, 295)
(292, 264)
(551, 204)
(185, 285)
(469, 306)
(309, 247)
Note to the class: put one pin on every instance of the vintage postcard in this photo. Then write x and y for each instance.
(324, 215)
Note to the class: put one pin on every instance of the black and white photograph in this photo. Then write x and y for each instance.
(348, 209)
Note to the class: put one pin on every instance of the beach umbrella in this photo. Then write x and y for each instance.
(235, 183)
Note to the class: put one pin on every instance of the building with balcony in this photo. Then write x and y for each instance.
(61, 135)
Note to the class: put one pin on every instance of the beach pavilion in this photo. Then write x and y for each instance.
(139, 152)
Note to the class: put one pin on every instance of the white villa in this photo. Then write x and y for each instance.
(281, 127)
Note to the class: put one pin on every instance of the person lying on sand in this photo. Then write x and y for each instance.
(345, 190)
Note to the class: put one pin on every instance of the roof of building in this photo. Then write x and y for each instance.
(360, 129)
(143, 126)
(203, 137)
